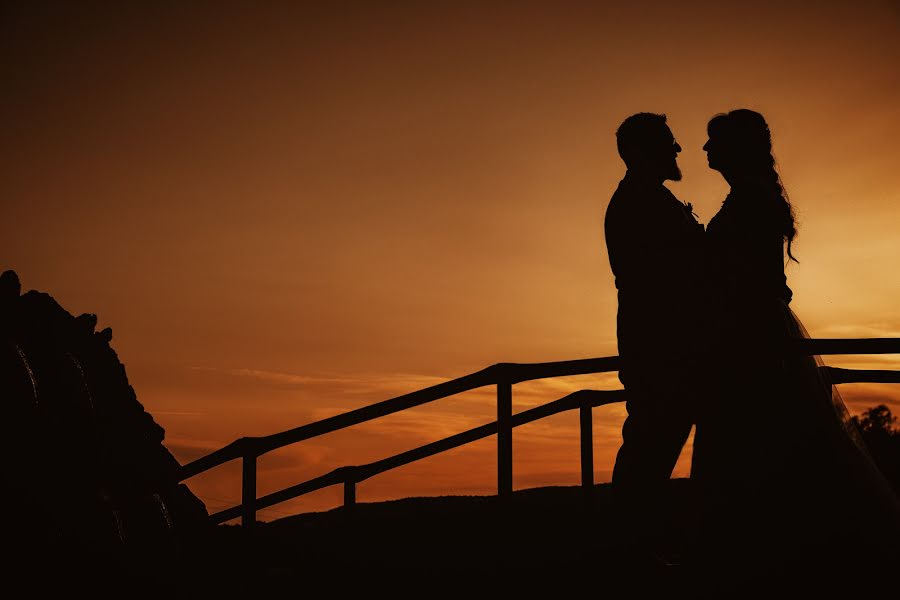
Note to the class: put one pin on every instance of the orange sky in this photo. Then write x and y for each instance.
(286, 213)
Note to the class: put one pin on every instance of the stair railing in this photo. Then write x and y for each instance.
(503, 376)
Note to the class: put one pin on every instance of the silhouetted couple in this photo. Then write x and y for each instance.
(785, 485)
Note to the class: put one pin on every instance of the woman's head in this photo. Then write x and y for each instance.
(740, 144)
(740, 147)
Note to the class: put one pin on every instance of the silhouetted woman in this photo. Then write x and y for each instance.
(790, 491)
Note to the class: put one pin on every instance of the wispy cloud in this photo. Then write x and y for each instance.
(179, 413)
(872, 329)
(400, 382)
(277, 376)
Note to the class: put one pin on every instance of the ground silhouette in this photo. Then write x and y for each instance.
(540, 538)
(548, 541)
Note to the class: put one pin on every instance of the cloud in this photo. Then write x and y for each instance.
(276, 376)
(398, 383)
(179, 413)
(872, 329)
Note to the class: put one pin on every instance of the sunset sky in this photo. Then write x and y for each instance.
(285, 211)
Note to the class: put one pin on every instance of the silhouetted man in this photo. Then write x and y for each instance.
(654, 245)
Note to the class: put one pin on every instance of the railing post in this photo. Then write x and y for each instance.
(504, 438)
(349, 493)
(248, 487)
(587, 447)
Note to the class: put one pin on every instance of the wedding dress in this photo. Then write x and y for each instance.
(789, 490)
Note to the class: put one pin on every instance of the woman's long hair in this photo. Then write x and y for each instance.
(747, 150)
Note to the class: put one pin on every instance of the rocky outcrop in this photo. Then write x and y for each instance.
(89, 486)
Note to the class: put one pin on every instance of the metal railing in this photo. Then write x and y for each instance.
(504, 376)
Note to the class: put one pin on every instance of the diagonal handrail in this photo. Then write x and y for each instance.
(351, 475)
(261, 445)
(508, 372)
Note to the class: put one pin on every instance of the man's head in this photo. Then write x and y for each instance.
(647, 146)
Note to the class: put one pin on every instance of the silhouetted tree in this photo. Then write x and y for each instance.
(883, 439)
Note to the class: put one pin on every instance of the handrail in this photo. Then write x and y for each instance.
(518, 372)
(261, 445)
(355, 474)
(506, 372)
(504, 375)
(836, 375)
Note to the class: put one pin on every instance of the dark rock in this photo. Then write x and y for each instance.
(96, 490)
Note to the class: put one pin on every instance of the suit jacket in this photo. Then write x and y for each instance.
(655, 248)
